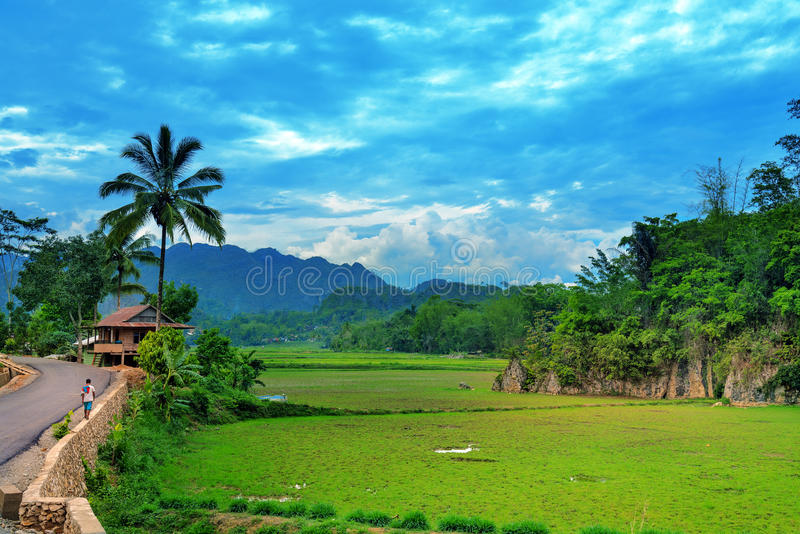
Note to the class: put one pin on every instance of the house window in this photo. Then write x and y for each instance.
(138, 336)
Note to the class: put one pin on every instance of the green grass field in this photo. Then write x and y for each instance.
(307, 356)
(684, 467)
(405, 390)
(618, 462)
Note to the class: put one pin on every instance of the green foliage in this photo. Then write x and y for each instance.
(525, 527)
(214, 352)
(265, 507)
(271, 529)
(97, 482)
(238, 505)
(321, 511)
(62, 429)
(154, 348)
(472, 525)
(788, 377)
(178, 303)
(412, 521)
(373, 518)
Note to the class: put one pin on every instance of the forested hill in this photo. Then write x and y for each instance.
(231, 280)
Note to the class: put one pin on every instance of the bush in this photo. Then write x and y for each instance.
(525, 527)
(317, 529)
(265, 508)
(321, 511)
(294, 509)
(413, 521)
(271, 529)
(186, 503)
(597, 529)
(202, 527)
(238, 505)
(375, 519)
(62, 429)
(472, 525)
(238, 530)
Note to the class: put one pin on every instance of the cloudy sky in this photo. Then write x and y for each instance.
(448, 137)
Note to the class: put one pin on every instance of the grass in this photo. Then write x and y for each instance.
(681, 467)
(404, 390)
(315, 358)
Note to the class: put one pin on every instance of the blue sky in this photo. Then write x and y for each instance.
(459, 138)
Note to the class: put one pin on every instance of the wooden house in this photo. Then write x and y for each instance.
(115, 339)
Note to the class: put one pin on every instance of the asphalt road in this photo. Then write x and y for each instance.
(26, 413)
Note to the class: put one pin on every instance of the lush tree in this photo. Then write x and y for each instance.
(121, 259)
(771, 187)
(791, 145)
(178, 302)
(174, 202)
(18, 237)
(245, 369)
(68, 275)
(155, 347)
(214, 352)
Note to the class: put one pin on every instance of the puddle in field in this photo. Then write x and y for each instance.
(580, 477)
(469, 448)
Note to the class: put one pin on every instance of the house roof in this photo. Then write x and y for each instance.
(122, 319)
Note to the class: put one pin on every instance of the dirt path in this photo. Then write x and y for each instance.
(26, 413)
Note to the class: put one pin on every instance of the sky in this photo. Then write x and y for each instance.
(466, 140)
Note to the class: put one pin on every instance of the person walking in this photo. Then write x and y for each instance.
(87, 397)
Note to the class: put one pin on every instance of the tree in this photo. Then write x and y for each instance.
(121, 257)
(214, 351)
(791, 144)
(66, 274)
(174, 203)
(771, 187)
(178, 303)
(17, 239)
(155, 346)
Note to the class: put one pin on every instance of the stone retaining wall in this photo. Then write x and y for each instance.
(54, 500)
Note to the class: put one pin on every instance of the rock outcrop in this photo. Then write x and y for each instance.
(745, 383)
(676, 381)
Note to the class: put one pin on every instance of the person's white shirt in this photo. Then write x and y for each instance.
(88, 393)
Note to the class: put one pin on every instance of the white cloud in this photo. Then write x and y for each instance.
(338, 204)
(280, 142)
(242, 14)
(10, 111)
(391, 29)
(577, 186)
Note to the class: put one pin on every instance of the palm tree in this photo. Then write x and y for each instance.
(120, 261)
(164, 196)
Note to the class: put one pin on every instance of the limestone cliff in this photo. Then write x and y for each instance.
(678, 380)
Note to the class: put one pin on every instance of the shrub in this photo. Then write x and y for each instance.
(238, 530)
(238, 505)
(293, 509)
(375, 519)
(265, 508)
(413, 521)
(321, 511)
(472, 525)
(186, 503)
(270, 529)
(317, 529)
(202, 527)
(525, 527)
(597, 529)
(62, 429)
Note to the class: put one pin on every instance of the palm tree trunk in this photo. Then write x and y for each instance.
(119, 288)
(161, 276)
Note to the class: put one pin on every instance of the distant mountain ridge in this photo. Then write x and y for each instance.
(230, 280)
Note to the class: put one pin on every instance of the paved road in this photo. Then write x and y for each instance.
(26, 413)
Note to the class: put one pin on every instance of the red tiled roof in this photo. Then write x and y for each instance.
(121, 318)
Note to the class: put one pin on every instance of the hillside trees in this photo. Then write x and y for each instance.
(67, 275)
(18, 237)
